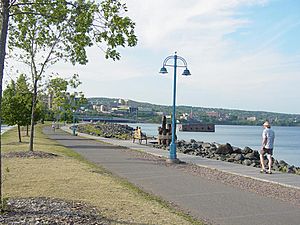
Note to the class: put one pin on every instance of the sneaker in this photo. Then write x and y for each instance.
(269, 172)
(263, 171)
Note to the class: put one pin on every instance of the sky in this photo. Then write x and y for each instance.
(242, 54)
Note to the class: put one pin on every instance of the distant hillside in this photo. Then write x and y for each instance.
(215, 115)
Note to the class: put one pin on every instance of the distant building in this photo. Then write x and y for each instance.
(133, 110)
(123, 101)
(101, 108)
(213, 114)
(196, 127)
(160, 113)
(251, 118)
(184, 116)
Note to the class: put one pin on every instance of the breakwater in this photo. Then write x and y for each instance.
(287, 142)
(228, 153)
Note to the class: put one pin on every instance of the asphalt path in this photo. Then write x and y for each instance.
(203, 199)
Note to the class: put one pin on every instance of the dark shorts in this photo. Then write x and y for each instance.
(266, 151)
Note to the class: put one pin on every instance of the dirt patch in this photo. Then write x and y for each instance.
(29, 154)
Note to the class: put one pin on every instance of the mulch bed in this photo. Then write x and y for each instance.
(29, 154)
(31, 211)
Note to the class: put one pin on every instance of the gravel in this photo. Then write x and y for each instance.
(31, 211)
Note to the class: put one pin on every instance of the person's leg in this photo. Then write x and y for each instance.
(262, 162)
(270, 162)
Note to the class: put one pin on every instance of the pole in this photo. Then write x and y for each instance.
(173, 144)
(74, 130)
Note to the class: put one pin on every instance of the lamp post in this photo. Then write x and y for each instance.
(74, 113)
(74, 129)
(186, 72)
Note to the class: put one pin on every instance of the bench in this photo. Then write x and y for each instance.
(138, 135)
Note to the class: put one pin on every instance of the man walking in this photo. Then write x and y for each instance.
(268, 136)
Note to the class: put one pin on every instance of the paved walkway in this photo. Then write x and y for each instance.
(203, 199)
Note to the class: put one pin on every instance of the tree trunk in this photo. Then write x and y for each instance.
(19, 133)
(34, 98)
(3, 37)
(27, 130)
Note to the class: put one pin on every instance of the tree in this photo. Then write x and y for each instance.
(17, 104)
(60, 29)
(63, 101)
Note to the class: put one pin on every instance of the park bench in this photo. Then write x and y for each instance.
(138, 135)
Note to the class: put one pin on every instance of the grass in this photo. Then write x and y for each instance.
(71, 177)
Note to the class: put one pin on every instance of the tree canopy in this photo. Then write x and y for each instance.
(17, 102)
(44, 32)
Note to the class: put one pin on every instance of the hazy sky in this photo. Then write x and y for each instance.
(243, 54)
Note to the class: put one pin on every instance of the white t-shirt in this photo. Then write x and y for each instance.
(270, 135)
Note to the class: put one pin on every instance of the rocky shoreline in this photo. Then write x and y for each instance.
(107, 130)
(228, 153)
(223, 152)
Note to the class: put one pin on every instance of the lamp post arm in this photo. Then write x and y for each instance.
(177, 58)
(167, 59)
(183, 60)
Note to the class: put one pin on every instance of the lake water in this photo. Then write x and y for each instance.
(287, 141)
(5, 128)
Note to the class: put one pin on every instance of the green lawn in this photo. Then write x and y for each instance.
(70, 177)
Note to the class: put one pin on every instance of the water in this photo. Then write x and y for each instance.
(5, 128)
(286, 146)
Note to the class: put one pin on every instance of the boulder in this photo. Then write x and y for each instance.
(251, 156)
(247, 150)
(224, 149)
(237, 150)
(230, 160)
(195, 145)
(193, 141)
(282, 163)
(239, 157)
(206, 145)
(247, 162)
(188, 150)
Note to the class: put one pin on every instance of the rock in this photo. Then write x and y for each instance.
(282, 163)
(188, 150)
(291, 169)
(250, 156)
(213, 148)
(224, 149)
(230, 160)
(237, 150)
(247, 162)
(195, 145)
(239, 157)
(206, 145)
(247, 150)
(193, 141)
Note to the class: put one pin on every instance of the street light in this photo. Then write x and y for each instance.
(74, 113)
(74, 128)
(186, 72)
